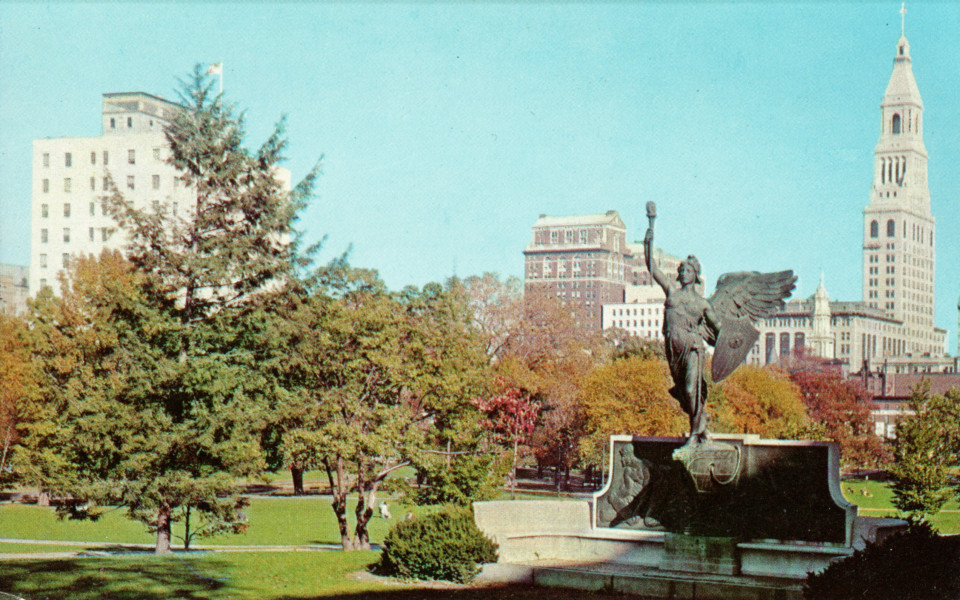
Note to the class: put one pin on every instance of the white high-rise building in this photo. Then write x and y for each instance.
(71, 177)
(894, 324)
(899, 247)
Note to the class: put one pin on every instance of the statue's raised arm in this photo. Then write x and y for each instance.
(655, 272)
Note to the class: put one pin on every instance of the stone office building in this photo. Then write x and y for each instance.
(72, 176)
(14, 289)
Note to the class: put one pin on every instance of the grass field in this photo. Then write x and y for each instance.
(309, 520)
(875, 499)
(272, 521)
(240, 576)
(207, 576)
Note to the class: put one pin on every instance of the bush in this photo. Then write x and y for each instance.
(445, 545)
(467, 479)
(917, 564)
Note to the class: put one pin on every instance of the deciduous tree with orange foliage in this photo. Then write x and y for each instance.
(18, 387)
(548, 356)
(758, 400)
(627, 396)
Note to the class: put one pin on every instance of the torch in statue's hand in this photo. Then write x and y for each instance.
(651, 216)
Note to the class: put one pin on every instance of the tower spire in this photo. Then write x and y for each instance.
(903, 18)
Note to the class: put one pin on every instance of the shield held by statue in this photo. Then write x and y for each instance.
(737, 337)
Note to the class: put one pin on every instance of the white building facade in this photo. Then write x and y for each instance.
(899, 245)
(640, 316)
(72, 175)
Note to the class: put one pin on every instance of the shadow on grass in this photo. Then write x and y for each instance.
(484, 592)
(131, 578)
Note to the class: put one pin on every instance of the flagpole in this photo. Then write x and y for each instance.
(217, 69)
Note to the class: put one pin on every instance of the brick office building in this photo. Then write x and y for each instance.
(581, 260)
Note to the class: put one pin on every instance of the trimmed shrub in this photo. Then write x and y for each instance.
(444, 545)
(916, 564)
(466, 479)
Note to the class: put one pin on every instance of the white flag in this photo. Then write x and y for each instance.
(215, 69)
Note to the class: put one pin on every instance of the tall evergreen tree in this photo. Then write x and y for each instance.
(185, 397)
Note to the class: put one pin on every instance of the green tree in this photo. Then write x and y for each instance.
(627, 396)
(925, 450)
(159, 405)
(388, 377)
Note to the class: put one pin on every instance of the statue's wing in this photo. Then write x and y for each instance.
(739, 300)
(751, 295)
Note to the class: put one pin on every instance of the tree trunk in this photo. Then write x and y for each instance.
(7, 438)
(339, 504)
(513, 477)
(562, 475)
(163, 529)
(297, 474)
(361, 538)
(186, 530)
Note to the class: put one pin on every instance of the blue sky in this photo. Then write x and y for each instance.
(447, 128)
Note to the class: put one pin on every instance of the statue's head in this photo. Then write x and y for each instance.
(689, 271)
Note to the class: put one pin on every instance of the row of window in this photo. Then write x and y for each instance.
(131, 183)
(918, 233)
(45, 211)
(642, 323)
(770, 343)
(893, 170)
(897, 123)
(571, 236)
(627, 312)
(104, 235)
(68, 157)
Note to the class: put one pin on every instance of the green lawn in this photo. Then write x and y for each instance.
(317, 480)
(272, 521)
(204, 576)
(875, 499)
(240, 576)
(34, 548)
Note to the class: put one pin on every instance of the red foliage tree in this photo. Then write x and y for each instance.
(842, 406)
(511, 415)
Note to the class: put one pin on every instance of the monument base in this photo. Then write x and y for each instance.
(700, 554)
(659, 584)
(738, 517)
(553, 543)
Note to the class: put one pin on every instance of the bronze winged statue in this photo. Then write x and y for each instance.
(725, 321)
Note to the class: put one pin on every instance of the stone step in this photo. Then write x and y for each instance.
(656, 583)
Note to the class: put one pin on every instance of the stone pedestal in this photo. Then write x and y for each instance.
(738, 518)
(700, 554)
(732, 486)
